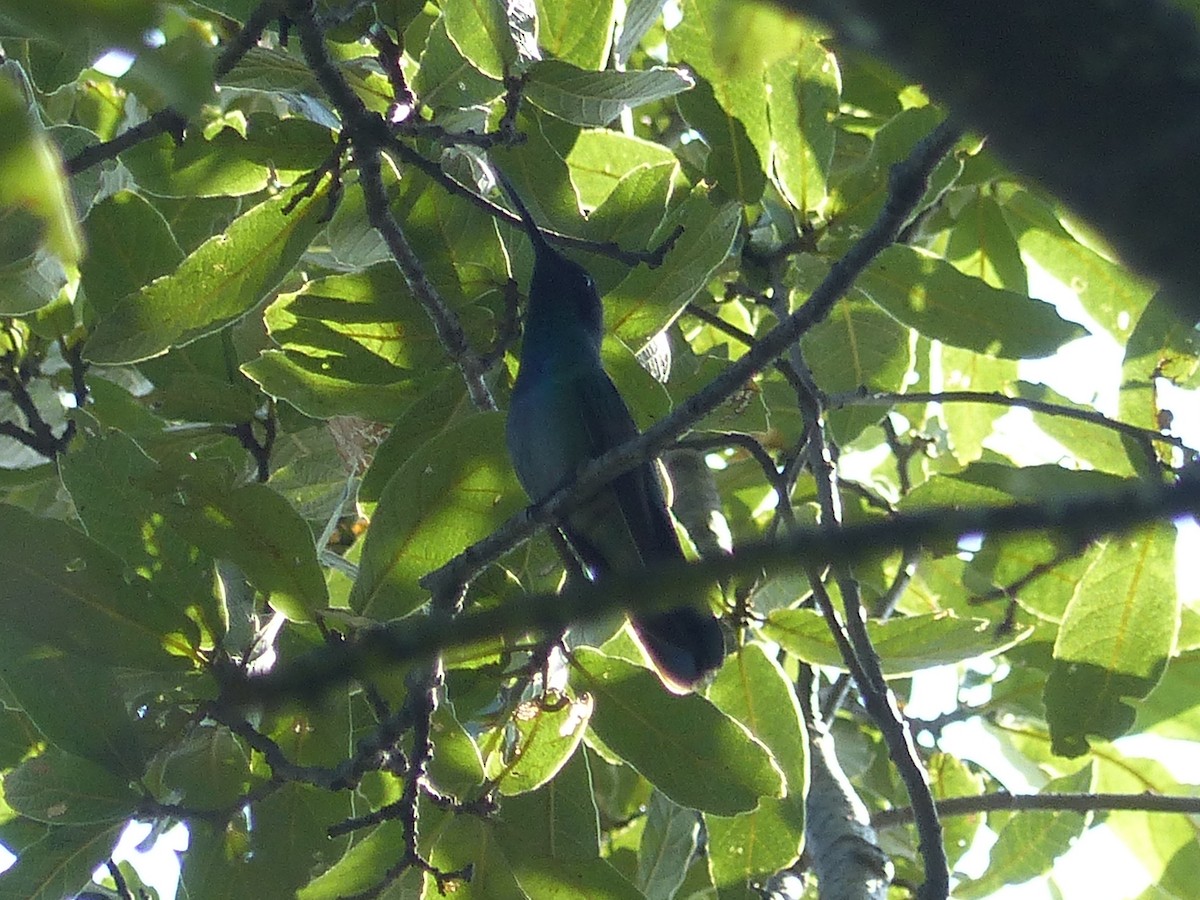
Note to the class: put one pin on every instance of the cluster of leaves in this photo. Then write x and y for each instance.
(230, 317)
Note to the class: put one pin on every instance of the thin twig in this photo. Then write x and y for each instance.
(1055, 802)
(859, 398)
(167, 121)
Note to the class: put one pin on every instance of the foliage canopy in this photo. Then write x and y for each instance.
(258, 317)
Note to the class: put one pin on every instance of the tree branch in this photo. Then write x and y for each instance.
(369, 134)
(1096, 101)
(1081, 803)
(1091, 416)
(842, 844)
(415, 637)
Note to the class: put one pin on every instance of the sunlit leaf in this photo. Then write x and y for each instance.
(930, 295)
(905, 645)
(451, 491)
(1116, 637)
(684, 745)
(219, 282)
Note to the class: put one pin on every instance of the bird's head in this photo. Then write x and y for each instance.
(563, 293)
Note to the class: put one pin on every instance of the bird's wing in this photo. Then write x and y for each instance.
(626, 524)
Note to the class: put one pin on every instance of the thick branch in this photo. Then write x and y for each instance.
(842, 843)
(1097, 101)
(412, 638)
(859, 654)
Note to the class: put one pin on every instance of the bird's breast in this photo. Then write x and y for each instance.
(547, 438)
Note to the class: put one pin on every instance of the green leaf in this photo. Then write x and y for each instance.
(365, 865)
(207, 769)
(287, 844)
(61, 789)
(648, 300)
(1111, 294)
(201, 382)
(600, 158)
(683, 745)
(300, 381)
(64, 589)
(536, 742)
(31, 282)
(640, 16)
(905, 645)
(634, 209)
(234, 162)
(751, 846)
(1005, 561)
(129, 245)
(466, 841)
(596, 98)
(734, 163)
(177, 74)
(226, 277)
(18, 736)
(259, 531)
(983, 246)
(354, 345)
(970, 424)
(446, 78)
(480, 30)
(858, 346)
(550, 842)
(453, 490)
(1028, 843)
(1171, 709)
(74, 702)
(285, 73)
(1163, 344)
(456, 766)
(928, 294)
(429, 414)
(576, 31)
(1100, 447)
(1165, 844)
(61, 864)
(801, 103)
(857, 193)
(1116, 637)
(568, 879)
(32, 178)
(129, 522)
(117, 22)
(729, 45)
(950, 776)
(668, 843)
(558, 821)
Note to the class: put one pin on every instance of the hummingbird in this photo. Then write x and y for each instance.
(565, 412)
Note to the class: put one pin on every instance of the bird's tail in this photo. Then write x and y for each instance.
(684, 644)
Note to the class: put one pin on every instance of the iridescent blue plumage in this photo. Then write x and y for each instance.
(566, 411)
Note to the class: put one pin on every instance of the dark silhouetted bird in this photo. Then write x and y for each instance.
(565, 412)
